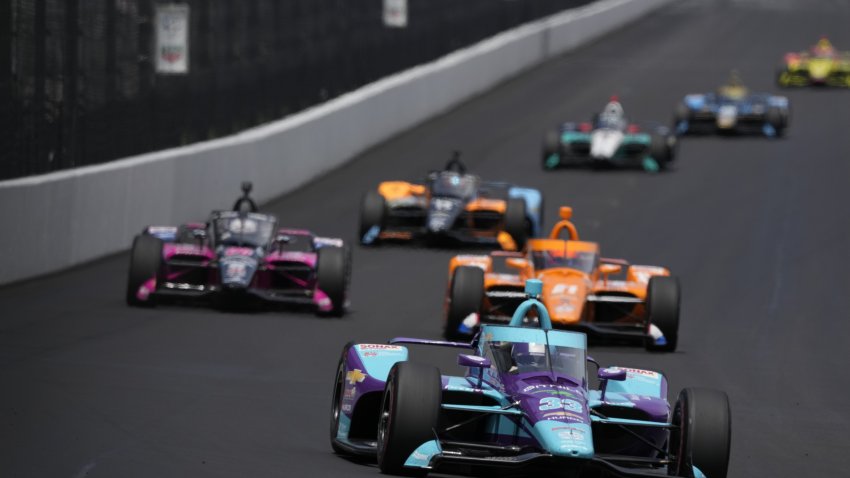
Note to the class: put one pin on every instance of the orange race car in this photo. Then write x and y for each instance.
(607, 298)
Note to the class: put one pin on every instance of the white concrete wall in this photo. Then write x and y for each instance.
(58, 220)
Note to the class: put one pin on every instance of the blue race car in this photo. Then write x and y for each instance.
(525, 404)
(732, 109)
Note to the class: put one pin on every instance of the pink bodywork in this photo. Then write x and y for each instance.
(261, 280)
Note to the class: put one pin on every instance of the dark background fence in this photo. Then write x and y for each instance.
(78, 86)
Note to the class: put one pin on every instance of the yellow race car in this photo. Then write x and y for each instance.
(821, 65)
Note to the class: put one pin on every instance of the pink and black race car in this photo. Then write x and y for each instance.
(238, 256)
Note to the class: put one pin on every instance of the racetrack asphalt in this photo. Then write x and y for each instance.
(755, 228)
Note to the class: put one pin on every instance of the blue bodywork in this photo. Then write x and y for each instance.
(533, 206)
(715, 112)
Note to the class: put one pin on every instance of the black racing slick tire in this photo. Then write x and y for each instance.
(336, 404)
(703, 433)
(333, 269)
(408, 417)
(660, 150)
(145, 263)
(663, 304)
(466, 293)
(373, 211)
(516, 221)
(551, 146)
(775, 118)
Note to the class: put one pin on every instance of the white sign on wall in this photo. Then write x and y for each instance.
(395, 13)
(172, 38)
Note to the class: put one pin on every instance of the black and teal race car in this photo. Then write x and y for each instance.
(609, 140)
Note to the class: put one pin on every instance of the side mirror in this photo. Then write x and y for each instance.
(616, 374)
(474, 361)
(200, 235)
(516, 263)
(565, 212)
(606, 374)
(610, 269)
(281, 240)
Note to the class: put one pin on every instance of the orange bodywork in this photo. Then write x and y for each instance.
(576, 281)
(399, 190)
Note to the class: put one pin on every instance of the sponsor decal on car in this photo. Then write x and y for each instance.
(355, 376)
(551, 389)
(461, 388)
(553, 403)
(571, 434)
(186, 249)
(638, 372)
(386, 347)
(564, 416)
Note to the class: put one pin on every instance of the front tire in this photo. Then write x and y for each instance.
(408, 416)
(663, 304)
(145, 263)
(681, 114)
(516, 221)
(704, 433)
(332, 277)
(336, 405)
(466, 292)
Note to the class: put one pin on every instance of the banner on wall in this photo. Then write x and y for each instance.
(172, 38)
(395, 13)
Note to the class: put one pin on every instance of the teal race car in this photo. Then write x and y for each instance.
(609, 140)
(524, 405)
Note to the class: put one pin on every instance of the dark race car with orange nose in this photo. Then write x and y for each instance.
(451, 206)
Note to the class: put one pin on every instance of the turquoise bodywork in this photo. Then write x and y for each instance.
(378, 359)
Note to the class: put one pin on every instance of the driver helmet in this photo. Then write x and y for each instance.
(823, 47)
(613, 111)
(529, 355)
(242, 225)
(734, 87)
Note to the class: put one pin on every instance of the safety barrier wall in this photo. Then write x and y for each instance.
(58, 220)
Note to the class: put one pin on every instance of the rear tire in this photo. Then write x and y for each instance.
(466, 293)
(516, 221)
(373, 211)
(663, 303)
(704, 435)
(145, 263)
(408, 417)
(660, 150)
(551, 146)
(777, 120)
(681, 113)
(332, 274)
